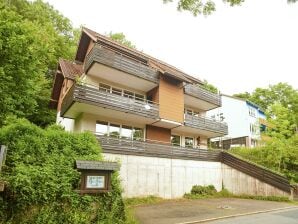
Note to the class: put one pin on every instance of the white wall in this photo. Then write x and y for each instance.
(172, 178)
(167, 178)
(66, 123)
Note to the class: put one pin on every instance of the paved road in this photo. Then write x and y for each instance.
(180, 211)
(278, 217)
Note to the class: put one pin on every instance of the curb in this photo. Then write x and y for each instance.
(238, 215)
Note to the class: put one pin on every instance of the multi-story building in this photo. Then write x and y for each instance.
(150, 117)
(116, 91)
(245, 120)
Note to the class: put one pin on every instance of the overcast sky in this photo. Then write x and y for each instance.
(236, 49)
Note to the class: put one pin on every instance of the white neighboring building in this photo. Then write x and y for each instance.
(243, 119)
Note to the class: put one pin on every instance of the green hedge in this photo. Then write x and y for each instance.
(40, 178)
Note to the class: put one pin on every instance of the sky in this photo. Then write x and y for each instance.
(237, 49)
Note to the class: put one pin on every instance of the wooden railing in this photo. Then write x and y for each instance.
(205, 123)
(121, 62)
(256, 171)
(142, 148)
(3, 151)
(91, 95)
(203, 94)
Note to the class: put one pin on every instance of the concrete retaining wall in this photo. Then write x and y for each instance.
(171, 178)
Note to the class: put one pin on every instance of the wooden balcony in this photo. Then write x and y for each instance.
(214, 100)
(93, 96)
(206, 124)
(120, 62)
(142, 148)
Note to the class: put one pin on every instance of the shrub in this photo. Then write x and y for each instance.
(203, 190)
(41, 178)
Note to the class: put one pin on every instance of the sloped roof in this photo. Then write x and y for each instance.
(70, 69)
(96, 165)
(163, 67)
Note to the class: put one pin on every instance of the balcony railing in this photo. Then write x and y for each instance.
(92, 95)
(142, 148)
(121, 62)
(203, 94)
(207, 124)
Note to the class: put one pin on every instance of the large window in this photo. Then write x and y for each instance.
(114, 130)
(138, 134)
(189, 142)
(121, 92)
(175, 140)
(101, 128)
(191, 112)
(126, 132)
(118, 130)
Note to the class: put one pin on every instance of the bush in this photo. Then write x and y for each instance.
(203, 190)
(41, 178)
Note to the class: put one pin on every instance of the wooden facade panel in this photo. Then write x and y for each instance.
(67, 84)
(171, 99)
(158, 134)
(153, 95)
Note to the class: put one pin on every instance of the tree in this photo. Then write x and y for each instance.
(120, 38)
(210, 87)
(33, 36)
(206, 7)
(276, 100)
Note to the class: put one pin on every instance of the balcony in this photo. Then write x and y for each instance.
(215, 128)
(201, 98)
(142, 148)
(118, 68)
(94, 99)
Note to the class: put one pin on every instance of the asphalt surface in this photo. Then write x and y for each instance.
(278, 217)
(182, 211)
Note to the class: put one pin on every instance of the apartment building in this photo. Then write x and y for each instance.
(127, 97)
(245, 121)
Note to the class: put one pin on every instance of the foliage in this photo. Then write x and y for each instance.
(281, 104)
(203, 190)
(120, 38)
(142, 200)
(207, 7)
(32, 37)
(278, 154)
(41, 178)
(210, 87)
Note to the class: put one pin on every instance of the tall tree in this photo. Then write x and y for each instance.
(32, 37)
(205, 7)
(280, 101)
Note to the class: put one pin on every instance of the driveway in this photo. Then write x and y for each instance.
(180, 211)
(289, 216)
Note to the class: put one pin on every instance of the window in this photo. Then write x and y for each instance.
(104, 87)
(126, 132)
(139, 97)
(117, 130)
(128, 94)
(175, 140)
(101, 128)
(138, 134)
(189, 142)
(252, 112)
(116, 91)
(191, 112)
(114, 130)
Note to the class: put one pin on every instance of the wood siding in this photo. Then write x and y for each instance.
(154, 94)
(159, 134)
(67, 83)
(171, 99)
